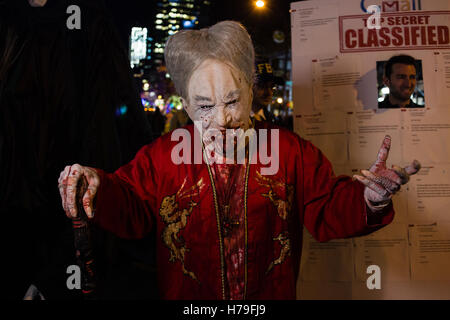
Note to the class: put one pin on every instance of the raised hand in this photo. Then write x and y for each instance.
(67, 184)
(381, 183)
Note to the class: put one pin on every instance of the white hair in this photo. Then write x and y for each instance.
(226, 41)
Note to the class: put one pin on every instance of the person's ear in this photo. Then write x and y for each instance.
(184, 103)
(186, 107)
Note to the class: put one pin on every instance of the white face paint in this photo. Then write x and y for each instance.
(219, 102)
(219, 97)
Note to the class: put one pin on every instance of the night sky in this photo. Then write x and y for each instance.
(260, 23)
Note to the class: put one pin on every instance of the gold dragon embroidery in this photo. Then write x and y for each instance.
(284, 207)
(285, 250)
(176, 220)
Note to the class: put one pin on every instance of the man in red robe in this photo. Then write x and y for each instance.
(230, 229)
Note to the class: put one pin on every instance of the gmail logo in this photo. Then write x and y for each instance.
(395, 5)
(389, 6)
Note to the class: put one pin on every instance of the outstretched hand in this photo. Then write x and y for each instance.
(381, 183)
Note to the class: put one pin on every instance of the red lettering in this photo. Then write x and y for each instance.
(443, 35)
(413, 20)
(361, 43)
(431, 35)
(372, 38)
(349, 41)
(423, 35)
(414, 34)
(365, 22)
(390, 21)
(406, 35)
(385, 41)
(405, 20)
(396, 33)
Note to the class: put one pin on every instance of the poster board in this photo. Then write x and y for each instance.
(336, 61)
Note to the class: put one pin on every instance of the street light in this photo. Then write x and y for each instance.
(259, 3)
(280, 37)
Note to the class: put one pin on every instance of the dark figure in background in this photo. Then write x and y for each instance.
(179, 119)
(65, 96)
(400, 78)
(156, 120)
(263, 92)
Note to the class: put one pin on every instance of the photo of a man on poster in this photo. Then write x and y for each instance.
(400, 83)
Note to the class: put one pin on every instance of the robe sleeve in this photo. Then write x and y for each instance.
(126, 199)
(333, 207)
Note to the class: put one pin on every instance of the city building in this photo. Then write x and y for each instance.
(147, 43)
(175, 15)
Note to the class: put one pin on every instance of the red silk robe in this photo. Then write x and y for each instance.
(180, 203)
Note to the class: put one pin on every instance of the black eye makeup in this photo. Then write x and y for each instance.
(207, 106)
(232, 102)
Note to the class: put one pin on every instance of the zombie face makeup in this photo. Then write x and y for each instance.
(218, 97)
(219, 102)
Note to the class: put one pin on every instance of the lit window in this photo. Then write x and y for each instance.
(138, 45)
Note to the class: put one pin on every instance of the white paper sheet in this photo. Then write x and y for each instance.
(442, 77)
(335, 81)
(326, 261)
(426, 135)
(328, 132)
(388, 249)
(367, 131)
(309, 21)
(429, 195)
(430, 251)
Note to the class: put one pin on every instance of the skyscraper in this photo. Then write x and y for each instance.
(147, 42)
(174, 15)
